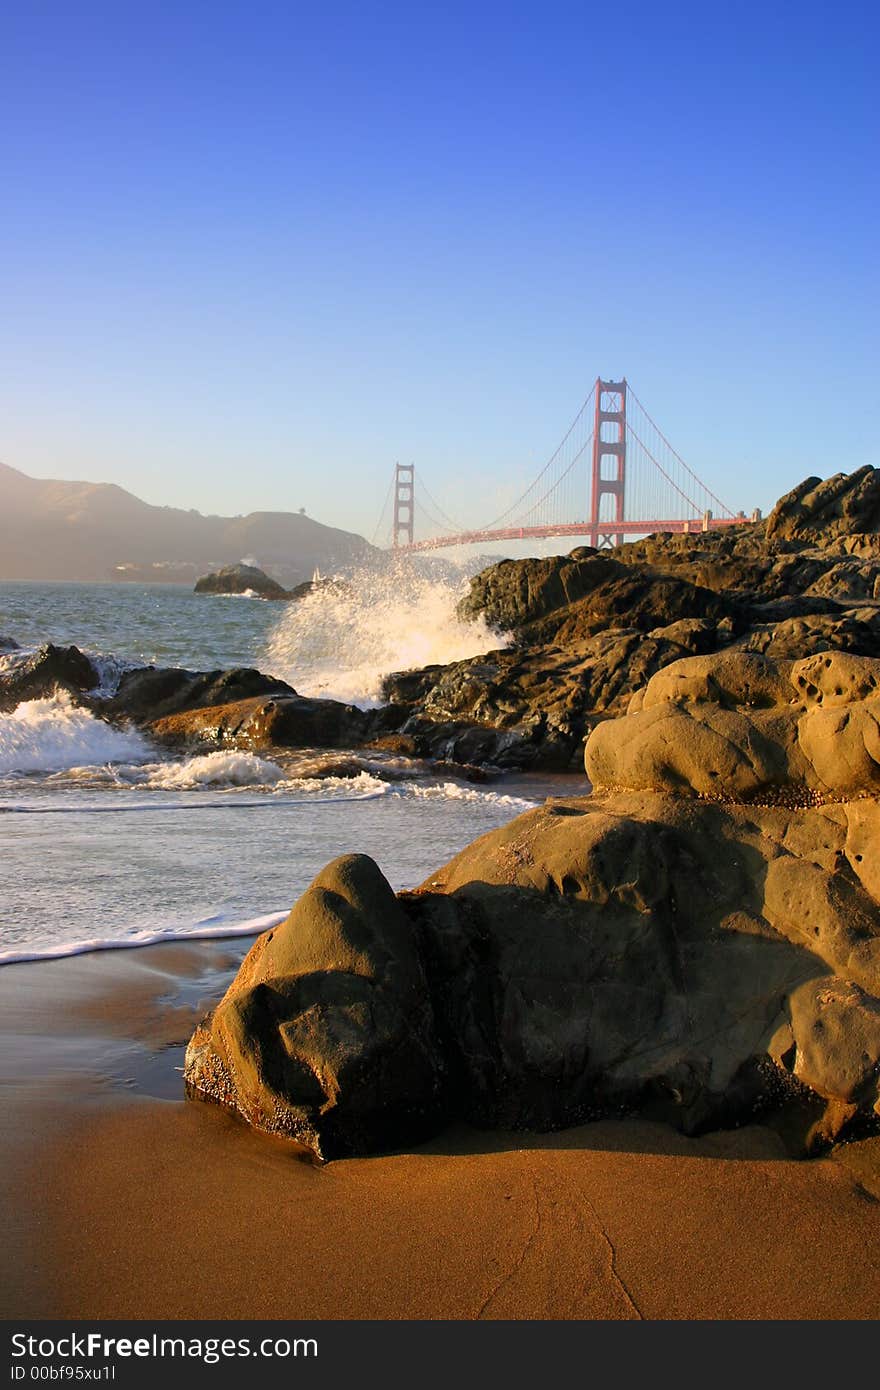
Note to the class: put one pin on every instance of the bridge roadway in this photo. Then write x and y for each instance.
(575, 528)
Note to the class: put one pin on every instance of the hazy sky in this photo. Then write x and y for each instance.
(252, 253)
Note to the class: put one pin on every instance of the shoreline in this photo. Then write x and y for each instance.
(123, 1199)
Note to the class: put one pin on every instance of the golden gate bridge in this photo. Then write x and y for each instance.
(614, 474)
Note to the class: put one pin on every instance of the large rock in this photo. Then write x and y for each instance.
(280, 721)
(241, 579)
(326, 1035)
(148, 693)
(705, 962)
(698, 941)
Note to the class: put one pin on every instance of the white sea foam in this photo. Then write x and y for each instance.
(341, 640)
(53, 734)
(222, 771)
(210, 931)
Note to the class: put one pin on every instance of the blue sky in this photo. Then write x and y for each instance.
(251, 254)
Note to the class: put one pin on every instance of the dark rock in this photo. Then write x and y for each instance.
(326, 1035)
(568, 599)
(150, 693)
(49, 670)
(514, 593)
(8, 644)
(332, 585)
(241, 579)
(543, 700)
(260, 723)
(856, 631)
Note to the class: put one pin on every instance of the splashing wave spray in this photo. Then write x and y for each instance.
(52, 734)
(340, 641)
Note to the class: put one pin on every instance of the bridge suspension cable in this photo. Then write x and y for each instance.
(443, 516)
(380, 533)
(701, 486)
(585, 409)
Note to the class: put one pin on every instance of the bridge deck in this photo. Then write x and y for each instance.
(575, 528)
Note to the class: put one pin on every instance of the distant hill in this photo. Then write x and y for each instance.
(93, 531)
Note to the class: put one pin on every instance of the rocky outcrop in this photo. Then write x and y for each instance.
(148, 693)
(588, 630)
(241, 579)
(240, 708)
(698, 941)
(8, 644)
(591, 627)
(823, 513)
(527, 707)
(743, 726)
(570, 598)
(326, 1035)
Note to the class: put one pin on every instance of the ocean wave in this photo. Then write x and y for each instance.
(110, 670)
(231, 771)
(221, 769)
(54, 734)
(454, 791)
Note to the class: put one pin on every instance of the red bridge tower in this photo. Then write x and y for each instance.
(404, 508)
(609, 461)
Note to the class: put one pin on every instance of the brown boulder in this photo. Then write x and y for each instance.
(739, 726)
(326, 1035)
(705, 962)
(282, 721)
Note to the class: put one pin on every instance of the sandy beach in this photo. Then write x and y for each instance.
(122, 1199)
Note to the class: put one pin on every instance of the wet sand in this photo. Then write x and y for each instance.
(121, 1199)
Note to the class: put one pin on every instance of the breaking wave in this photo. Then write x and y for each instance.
(342, 639)
(54, 734)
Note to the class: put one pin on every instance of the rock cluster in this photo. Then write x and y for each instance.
(591, 627)
(239, 708)
(699, 940)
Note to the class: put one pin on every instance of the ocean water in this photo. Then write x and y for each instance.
(106, 840)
